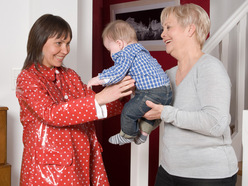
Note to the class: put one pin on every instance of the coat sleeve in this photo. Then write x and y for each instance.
(36, 102)
(114, 108)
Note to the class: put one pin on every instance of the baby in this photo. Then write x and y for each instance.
(152, 83)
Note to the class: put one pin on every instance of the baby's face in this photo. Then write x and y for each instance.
(112, 46)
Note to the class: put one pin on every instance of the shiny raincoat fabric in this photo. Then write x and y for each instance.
(60, 144)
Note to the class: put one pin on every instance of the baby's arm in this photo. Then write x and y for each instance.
(95, 81)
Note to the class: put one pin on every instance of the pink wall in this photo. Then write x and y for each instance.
(117, 158)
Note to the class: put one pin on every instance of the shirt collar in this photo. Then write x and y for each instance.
(131, 50)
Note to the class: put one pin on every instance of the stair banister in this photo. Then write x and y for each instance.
(217, 37)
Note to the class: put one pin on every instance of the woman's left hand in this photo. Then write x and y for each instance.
(155, 112)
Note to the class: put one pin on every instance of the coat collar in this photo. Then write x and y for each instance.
(48, 73)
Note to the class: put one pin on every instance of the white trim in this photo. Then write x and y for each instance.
(84, 39)
(245, 148)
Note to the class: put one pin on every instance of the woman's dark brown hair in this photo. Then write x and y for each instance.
(47, 26)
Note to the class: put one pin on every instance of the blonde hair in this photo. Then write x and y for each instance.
(190, 14)
(120, 30)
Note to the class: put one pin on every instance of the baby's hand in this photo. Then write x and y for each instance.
(94, 81)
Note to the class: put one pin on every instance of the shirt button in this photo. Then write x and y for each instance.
(56, 71)
(66, 97)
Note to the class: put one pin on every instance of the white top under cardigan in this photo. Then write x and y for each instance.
(197, 140)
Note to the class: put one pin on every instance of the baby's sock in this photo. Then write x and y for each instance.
(118, 139)
(140, 139)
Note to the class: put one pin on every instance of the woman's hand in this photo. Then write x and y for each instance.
(114, 92)
(155, 112)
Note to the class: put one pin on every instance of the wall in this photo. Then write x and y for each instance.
(14, 28)
(222, 9)
(17, 18)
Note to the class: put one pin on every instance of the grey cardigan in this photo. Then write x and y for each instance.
(197, 140)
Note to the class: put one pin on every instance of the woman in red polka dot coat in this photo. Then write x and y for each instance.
(57, 112)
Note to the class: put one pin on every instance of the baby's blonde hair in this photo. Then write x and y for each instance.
(120, 30)
(190, 14)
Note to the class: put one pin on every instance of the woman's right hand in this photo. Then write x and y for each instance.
(155, 112)
(114, 92)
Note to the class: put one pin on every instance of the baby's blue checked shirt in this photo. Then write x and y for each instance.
(134, 60)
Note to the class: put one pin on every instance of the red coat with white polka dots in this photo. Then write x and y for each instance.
(60, 144)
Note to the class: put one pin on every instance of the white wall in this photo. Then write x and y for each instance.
(17, 18)
(220, 10)
(14, 29)
(65, 9)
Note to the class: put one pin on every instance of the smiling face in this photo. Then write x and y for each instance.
(55, 50)
(173, 35)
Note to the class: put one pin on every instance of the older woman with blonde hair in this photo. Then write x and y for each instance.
(196, 148)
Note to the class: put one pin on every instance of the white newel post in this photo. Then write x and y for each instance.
(245, 148)
(139, 164)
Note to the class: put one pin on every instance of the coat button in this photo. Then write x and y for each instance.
(66, 97)
(56, 71)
